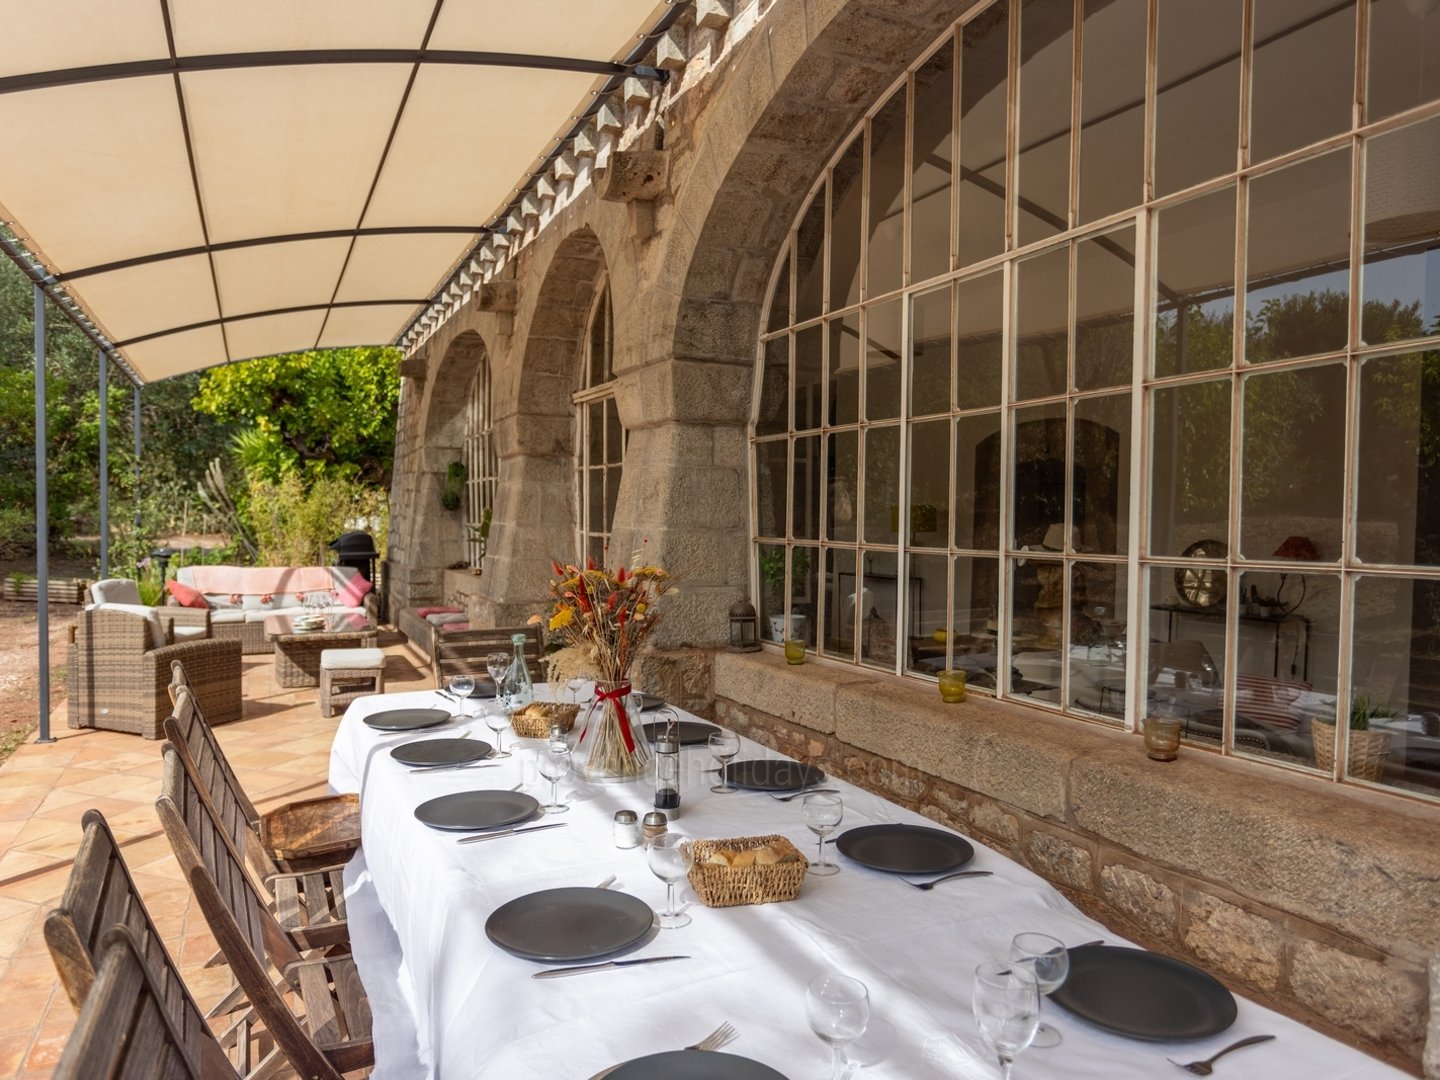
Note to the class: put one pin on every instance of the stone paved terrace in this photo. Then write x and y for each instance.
(281, 750)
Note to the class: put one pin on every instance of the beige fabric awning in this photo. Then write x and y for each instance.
(213, 180)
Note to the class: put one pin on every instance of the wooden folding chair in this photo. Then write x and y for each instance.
(101, 897)
(463, 652)
(334, 1034)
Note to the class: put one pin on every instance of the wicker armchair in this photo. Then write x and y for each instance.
(118, 675)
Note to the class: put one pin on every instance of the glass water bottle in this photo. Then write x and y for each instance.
(516, 690)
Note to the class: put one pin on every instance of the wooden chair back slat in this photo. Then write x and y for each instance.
(199, 738)
(464, 651)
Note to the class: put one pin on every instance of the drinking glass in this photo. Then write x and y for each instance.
(497, 720)
(838, 1008)
(1007, 1008)
(669, 858)
(554, 766)
(724, 745)
(496, 663)
(822, 817)
(1048, 958)
(462, 686)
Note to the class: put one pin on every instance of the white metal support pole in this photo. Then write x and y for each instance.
(42, 521)
(104, 465)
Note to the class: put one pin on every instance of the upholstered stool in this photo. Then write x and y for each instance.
(347, 674)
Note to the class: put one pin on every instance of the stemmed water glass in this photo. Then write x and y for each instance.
(497, 720)
(724, 745)
(554, 766)
(496, 664)
(670, 858)
(822, 816)
(838, 1008)
(462, 686)
(1007, 1008)
(1049, 960)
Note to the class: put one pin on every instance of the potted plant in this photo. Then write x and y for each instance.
(450, 495)
(772, 572)
(1369, 746)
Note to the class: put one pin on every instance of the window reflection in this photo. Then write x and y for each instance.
(1404, 66)
(1197, 106)
(1105, 310)
(984, 55)
(1398, 486)
(1303, 74)
(1042, 312)
(1112, 107)
(933, 158)
(1195, 285)
(1190, 465)
(1401, 278)
(845, 217)
(886, 228)
(930, 335)
(979, 352)
(1047, 59)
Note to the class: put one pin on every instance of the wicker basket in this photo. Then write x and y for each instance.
(534, 721)
(1368, 751)
(725, 886)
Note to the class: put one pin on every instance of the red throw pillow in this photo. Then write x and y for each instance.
(353, 595)
(185, 596)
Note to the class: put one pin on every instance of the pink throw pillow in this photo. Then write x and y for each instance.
(185, 596)
(425, 612)
(353, 595)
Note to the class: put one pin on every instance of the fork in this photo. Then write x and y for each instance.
(1205, 1068)
(804, 791)
(926, 885)
(716, 1039)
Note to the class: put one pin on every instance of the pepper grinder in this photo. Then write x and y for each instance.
(667, 769)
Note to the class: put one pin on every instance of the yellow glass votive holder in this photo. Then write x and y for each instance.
(1162, 738)
(794, 651)
(952, 686)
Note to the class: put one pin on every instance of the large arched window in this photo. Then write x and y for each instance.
(600, 440)
(1121, 392)
(482, 466)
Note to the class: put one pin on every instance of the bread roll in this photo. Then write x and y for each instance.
(744, 859)
(766, 856)
(719, 857)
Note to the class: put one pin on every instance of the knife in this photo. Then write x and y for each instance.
(560, 973)
(510, 832)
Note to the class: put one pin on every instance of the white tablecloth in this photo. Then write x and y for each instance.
(449, 1004)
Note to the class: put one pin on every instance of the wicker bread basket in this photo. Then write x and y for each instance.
(534, 721)
(727, 886)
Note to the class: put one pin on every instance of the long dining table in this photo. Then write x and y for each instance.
(448, 1004)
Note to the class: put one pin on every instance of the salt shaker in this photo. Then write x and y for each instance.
(627, 829)
(656, 824)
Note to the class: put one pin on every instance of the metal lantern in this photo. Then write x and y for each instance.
(744, 627)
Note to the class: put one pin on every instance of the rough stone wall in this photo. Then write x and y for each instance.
(1318, 902)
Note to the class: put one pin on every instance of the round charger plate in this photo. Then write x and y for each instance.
(472, 811)
(692, 1065)
(692, 732)
(441, 752)
(405, 719)
(905, 849)
(569, 925)
(760, 775)
(1144, 995)
(650, 701)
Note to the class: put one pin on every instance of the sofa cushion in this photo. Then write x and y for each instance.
(149, 614)
(426, 612)
(221, 601)
(185, 595)
(446, 620)
(181, 632)
(227, 615)
(115, 591)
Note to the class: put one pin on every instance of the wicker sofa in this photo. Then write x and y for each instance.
(240, 598)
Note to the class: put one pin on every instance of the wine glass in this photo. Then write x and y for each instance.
(1007, 1008)
(724, 745)
(554, 766)
(497, 720)
(669, 858)
(1049, 960)
(496, 663)
(822, 816)
(838, 1008)
(462, 686)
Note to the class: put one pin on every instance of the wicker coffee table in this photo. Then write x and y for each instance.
(297, 652)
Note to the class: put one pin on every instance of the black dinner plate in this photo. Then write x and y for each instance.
(405, 719)
(692, 1065)
(905, 849)
(471, 811)
(569, 925)
(650, 701)
(692, 732)
(441, 752)
(758, 775)
(1144, 995)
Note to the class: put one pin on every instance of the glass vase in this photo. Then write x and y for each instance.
(611, 745)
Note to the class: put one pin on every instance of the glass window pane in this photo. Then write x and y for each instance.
(1112, 107)
(810, 259)
(1195, 285)
(1197, 107)
(930, 610)
(1294, 457)
(977, 481)
(883, 361)
(772, 591)
(844, 364)
(842, 457)
(1404, 57)
(1097, 638)
(779, 317)
(1037, 615)
(1105, 310)
(809, 374)
(886, 227)
(599, 345)
(1397, 673)
(1401, 277)
(1047, 63)
(930, 484)
(809, 477)
(804, 593)
(1303, 74)
(1039, 481)
(1397, 480)
(980, 348)
(614, 434)
(1100, 474)
(841, 599)
(612, 496)
(973, 618)
(845, 205)
(984, 81)
(772, 466)
(1297, 290)
(933, 159)
(1184, 651)
(595, 429)
(882, 485)
(879, 605)
(595, 500)
(1043, 314)
(930, 334)
(1190, 465)
(773, 415)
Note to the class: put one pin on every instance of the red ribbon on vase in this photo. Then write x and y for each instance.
(617, 695)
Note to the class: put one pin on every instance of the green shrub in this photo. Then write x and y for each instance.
(294, 525)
